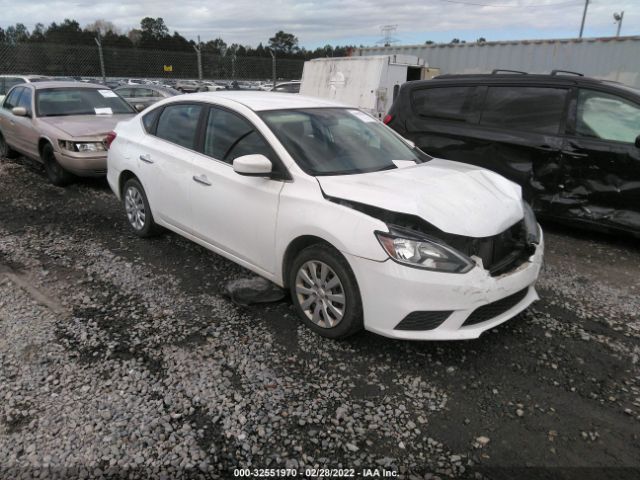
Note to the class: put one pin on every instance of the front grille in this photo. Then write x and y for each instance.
(423, 320)
(493, 309)
(500, 253)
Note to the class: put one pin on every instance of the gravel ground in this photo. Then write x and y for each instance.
(122, 358)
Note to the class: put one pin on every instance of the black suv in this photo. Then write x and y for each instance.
(571, 142)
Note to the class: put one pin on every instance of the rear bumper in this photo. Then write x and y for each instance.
(84, 166)
(391, 292)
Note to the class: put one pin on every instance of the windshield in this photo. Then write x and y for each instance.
(338, 141)
(55, 102)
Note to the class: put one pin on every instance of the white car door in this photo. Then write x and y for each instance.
(233, 212)
(165, 161)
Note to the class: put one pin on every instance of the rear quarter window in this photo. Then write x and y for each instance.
(448, 103)
(149, 119)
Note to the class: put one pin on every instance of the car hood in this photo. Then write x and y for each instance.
(85, 125)
(454, 197)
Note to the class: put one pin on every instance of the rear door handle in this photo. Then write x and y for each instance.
(547, 148)
(146, 158)
(202, 179)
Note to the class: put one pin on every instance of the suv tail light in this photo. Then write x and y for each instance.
(387, 119)
(108, 140)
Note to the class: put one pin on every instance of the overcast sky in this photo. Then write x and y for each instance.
(318, 22)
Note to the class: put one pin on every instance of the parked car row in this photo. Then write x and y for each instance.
(363, 229)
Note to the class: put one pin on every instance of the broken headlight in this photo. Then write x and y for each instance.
(423, 252)
(530, 224)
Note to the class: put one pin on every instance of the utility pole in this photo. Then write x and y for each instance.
(273, 67)
(584, 17)
(198, 49)
(99, 43)
(618, 19)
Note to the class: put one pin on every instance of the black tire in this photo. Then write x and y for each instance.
(351, 321)
(56, 174)
(5, 150)
(133, 194)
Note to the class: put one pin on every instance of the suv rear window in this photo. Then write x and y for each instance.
(450, 103)
(533, 109)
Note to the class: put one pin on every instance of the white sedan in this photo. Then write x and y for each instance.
(365, 230)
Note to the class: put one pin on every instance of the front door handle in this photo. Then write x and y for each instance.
(575, 154)
(202, 179)
(146, 158)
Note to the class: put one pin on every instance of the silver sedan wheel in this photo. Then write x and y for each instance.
(320, 294)
(4, 148)
(134, 205)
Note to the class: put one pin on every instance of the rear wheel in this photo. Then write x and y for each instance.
(56, 174)
(325, 293)
(5, 150)
(138, 210)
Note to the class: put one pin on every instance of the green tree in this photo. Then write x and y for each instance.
(17, 33)
(216, 46)
(284, 43)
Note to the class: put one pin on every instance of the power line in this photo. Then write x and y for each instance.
(559, 4)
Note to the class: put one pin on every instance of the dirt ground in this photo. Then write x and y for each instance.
(121, 357)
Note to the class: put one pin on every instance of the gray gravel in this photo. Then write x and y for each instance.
(123, 358)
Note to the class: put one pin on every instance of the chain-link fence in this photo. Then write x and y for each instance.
(84, 61)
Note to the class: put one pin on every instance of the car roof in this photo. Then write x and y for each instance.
(568, 78)
(28, 77)
(258, 100)
(66, 84)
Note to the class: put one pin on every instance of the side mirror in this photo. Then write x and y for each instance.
(256, 165)
(19, 111)
(139, 107)
(638, 141)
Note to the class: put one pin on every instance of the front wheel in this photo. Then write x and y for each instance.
(325, 292)
(55, 172)
(5, 150)
(138, 210)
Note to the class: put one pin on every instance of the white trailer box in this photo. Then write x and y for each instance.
(369, 83)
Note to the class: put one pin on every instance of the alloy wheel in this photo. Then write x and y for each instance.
(134, 205)
(320, 294)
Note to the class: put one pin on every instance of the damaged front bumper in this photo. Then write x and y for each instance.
(414, 304)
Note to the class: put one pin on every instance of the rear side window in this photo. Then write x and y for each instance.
(229, 136)
(531, 109)
(607, 117)
(126, 92)
(449, 103)
(178, 124)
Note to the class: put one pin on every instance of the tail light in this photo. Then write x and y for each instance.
(108, 140)
(387, 119)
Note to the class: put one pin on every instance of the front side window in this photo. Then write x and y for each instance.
(338, 141)
(530, 109)
(607, 117)
(12, 99)
(25, 100)
(56, 102)
(229, 136)
(179, 124)
(126, 92)
(448, 103)
(144, 92)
